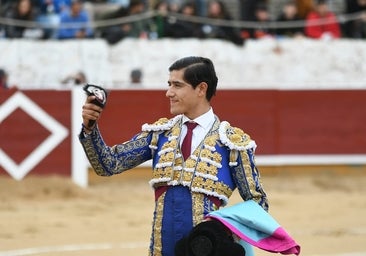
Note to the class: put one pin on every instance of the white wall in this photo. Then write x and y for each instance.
(299, 63)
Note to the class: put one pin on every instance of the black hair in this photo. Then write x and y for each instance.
(198, 70)
(189, 4)
(2, 73)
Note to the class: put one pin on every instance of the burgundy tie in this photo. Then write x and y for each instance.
(187, 142)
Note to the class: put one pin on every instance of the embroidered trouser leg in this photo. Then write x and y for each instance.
(172, 220)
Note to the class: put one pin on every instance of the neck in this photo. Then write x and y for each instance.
(198, 112)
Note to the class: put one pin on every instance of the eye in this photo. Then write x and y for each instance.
(179, 84)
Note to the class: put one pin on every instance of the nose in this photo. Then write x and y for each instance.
(169, 93)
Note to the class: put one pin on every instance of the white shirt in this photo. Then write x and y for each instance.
(204, 122)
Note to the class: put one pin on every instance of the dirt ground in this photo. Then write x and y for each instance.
(325, 213)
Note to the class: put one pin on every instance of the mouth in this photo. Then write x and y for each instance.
(172, 102)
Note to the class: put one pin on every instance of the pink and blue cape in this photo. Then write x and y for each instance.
(253, 225)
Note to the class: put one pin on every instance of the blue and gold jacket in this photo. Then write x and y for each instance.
(222, 162)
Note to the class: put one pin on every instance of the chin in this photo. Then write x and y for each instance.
(175, 112)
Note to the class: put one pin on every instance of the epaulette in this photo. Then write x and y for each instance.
(163, 124)
(235, 138)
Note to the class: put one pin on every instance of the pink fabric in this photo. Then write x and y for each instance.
(279, 241)
(256, 227)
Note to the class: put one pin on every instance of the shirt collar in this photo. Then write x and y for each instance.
(205, 120)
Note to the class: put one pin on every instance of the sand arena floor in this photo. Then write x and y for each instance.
(325, 213)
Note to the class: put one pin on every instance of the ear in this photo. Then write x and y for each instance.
(202, 89)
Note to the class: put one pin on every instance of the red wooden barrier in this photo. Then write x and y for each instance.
(281, 122)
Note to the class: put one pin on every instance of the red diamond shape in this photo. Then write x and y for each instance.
(23, 137)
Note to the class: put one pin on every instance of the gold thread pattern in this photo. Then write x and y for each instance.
(156, 247)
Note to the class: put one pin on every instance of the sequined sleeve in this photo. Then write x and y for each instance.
(242, 163)
(247, 178)
(109, 160)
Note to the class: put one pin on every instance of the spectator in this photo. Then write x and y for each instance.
(174, 5)
(262, 17)
(201, 7)
(160, 22)
(289, 14)
(77, 79)
(3, 79)
(123, 3)
(135, 29)
(141, 28)
(50, 16)
(136, 78)
(74, 22)
(247, 9)
(322, 23)
(304, 7)
(184, 28)
(356, 28)
(54, 6)
(217, 10)
(114, 34)
(24, 11)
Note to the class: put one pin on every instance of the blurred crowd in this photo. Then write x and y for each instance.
(114, 20)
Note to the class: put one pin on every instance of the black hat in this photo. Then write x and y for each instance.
(209, 238)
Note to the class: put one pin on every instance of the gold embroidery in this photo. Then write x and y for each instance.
(201, 167)
(211, 140)
(168, 160)
(161, 121)
(176, 130)
(169, 144)
(197, 208)
(107, 161)
(167, 157)
(212, 170)
(179, 161)
(237, 136)
(217, 157)
(201, 205)
(199, 171)
(223, 189)
(205, 152)
(190, 163)
(211, 187)
(187, 176)
(248, 171)
(162, 172)
(176, 175)
(158, 223)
